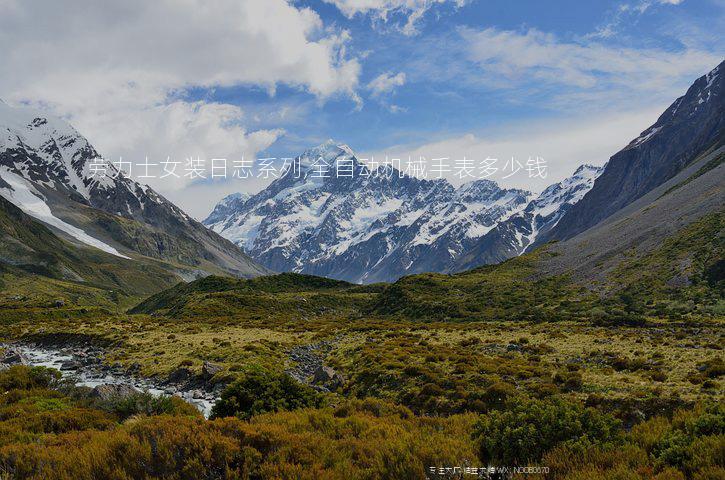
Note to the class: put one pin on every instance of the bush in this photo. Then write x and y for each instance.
(527, 429)
(695, 441)
(144, 403)
(261, 392)
(25, 378)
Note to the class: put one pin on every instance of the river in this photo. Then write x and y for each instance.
(92, 376)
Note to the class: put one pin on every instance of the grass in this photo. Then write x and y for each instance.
(424, 359)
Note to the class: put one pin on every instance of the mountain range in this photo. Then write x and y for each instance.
(59, 220)
(54, 176)
(380, 225)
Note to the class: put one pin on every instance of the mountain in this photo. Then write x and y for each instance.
(691, 126)
(692, 201)
(380, 225)
(55, 176)
(515, 235)
(227, 207)
(39, 268)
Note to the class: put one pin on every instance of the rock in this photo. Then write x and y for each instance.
(328, 378)
(14, 357)
(71, 365)
(208, 370)
(323, 375)
(134, 368)
(181, 374)
(109, 391)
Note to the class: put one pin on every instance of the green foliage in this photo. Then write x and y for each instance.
(359, 439)
(260, 392)
(695, 439)
(285, 295)
(144, 403)
(679, 277)
(526, 430)
(25, 378)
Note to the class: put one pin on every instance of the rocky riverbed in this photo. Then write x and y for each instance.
(308, 366)
(84, 364)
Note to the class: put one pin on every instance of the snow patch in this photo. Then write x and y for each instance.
(23, 195)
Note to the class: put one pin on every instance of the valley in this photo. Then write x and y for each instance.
(366, 328)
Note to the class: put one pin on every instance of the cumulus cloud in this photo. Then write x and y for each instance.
(385, 83)
(119, 70)
(382, 10)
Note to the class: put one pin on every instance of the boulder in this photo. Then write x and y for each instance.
(328, 378)
(13, 356)
(208, 370)
(71, 365)
(109, 391)
(180, 375)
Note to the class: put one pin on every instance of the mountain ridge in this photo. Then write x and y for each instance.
(375, 226)
(691, 125)
(51, 172)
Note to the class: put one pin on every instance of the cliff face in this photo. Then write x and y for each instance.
(690, 127)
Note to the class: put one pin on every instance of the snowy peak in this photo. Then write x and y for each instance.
(48, 150)
(703, 99)
(548, 208)
(328, 154)
(518, 233)
(51, 154)
(378, 227)
(48, 170)
(228, 206)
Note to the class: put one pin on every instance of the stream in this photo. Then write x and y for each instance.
(94, 374)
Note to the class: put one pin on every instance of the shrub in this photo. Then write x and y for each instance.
(569, 381)
(261, 392)
(527, 429)
(695, 441)
(144, 403)
(21, 377)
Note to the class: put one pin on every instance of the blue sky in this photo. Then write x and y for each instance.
(445, 94)
(571, 81)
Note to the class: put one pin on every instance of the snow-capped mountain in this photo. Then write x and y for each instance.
(515, 235)
(691, 125)
(379, 225)
(54, 174)
(228, 206)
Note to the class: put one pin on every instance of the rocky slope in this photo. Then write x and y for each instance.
(54, 175)
(379, 226)
(691, 126)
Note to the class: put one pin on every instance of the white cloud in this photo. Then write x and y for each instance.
(118, 70)
(625, 11)
(385, 83)
(587, 69)
(383, 9)
(172, 44)
(563, 144)
(180, 130)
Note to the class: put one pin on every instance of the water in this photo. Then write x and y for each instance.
(88, 376)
